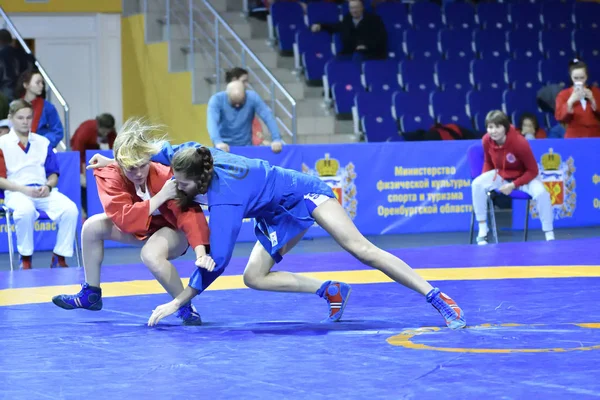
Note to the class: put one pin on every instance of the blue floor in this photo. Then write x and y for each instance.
(50, 353)
(262, 345)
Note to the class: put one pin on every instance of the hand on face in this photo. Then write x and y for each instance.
(528, 127)
(169, 189)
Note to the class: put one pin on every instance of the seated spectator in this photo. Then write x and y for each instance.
(46, 121)
(577, 106)
(230, 114)
(4, 127)
(13, 62)
(509, 164)
(530, 128)
(29, 175)
(94, 134)
(363, 34)
(240, 74)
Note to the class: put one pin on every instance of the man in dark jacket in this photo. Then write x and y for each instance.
(363, 34)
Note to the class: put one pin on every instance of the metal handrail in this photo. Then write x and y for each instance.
(211, 48)
(250, 52)
(66, 142)
(246, 51)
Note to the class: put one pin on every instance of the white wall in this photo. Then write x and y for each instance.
(82, 55)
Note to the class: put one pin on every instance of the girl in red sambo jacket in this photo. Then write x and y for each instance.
(509, 164)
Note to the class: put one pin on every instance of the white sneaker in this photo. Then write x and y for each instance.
(482, 240)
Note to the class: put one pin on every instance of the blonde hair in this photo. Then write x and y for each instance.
(137, 141)
(17, 105)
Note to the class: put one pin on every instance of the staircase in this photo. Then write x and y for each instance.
(271, 75)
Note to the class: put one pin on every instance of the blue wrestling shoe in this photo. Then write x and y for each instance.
(189, 315)
(336, 294)
(454, 316)
(89, 298)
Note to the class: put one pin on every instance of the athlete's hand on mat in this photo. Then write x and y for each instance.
(507, 188)
(223, 146)
(163, 311)
(206, 262)
(276, 147)
(169, 189)
(99, 161)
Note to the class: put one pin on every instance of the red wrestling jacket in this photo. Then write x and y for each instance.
(131, 215)
(514, 160)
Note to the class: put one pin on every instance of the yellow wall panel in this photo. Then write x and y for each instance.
(150, 90)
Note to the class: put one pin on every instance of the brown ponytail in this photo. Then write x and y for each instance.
(205, 177)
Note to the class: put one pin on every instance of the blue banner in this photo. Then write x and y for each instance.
(45, 230)
(570, 170)
(396, 187)
(419, 187)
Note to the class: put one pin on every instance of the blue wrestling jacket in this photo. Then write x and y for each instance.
(250, 188)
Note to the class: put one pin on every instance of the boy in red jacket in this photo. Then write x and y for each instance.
(509, 164)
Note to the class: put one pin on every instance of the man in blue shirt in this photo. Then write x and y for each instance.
(230, 115)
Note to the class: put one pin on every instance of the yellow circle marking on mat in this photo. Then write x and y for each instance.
(404, 339)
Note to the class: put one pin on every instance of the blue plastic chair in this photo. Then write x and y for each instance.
(7, 213)
(475, 157)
